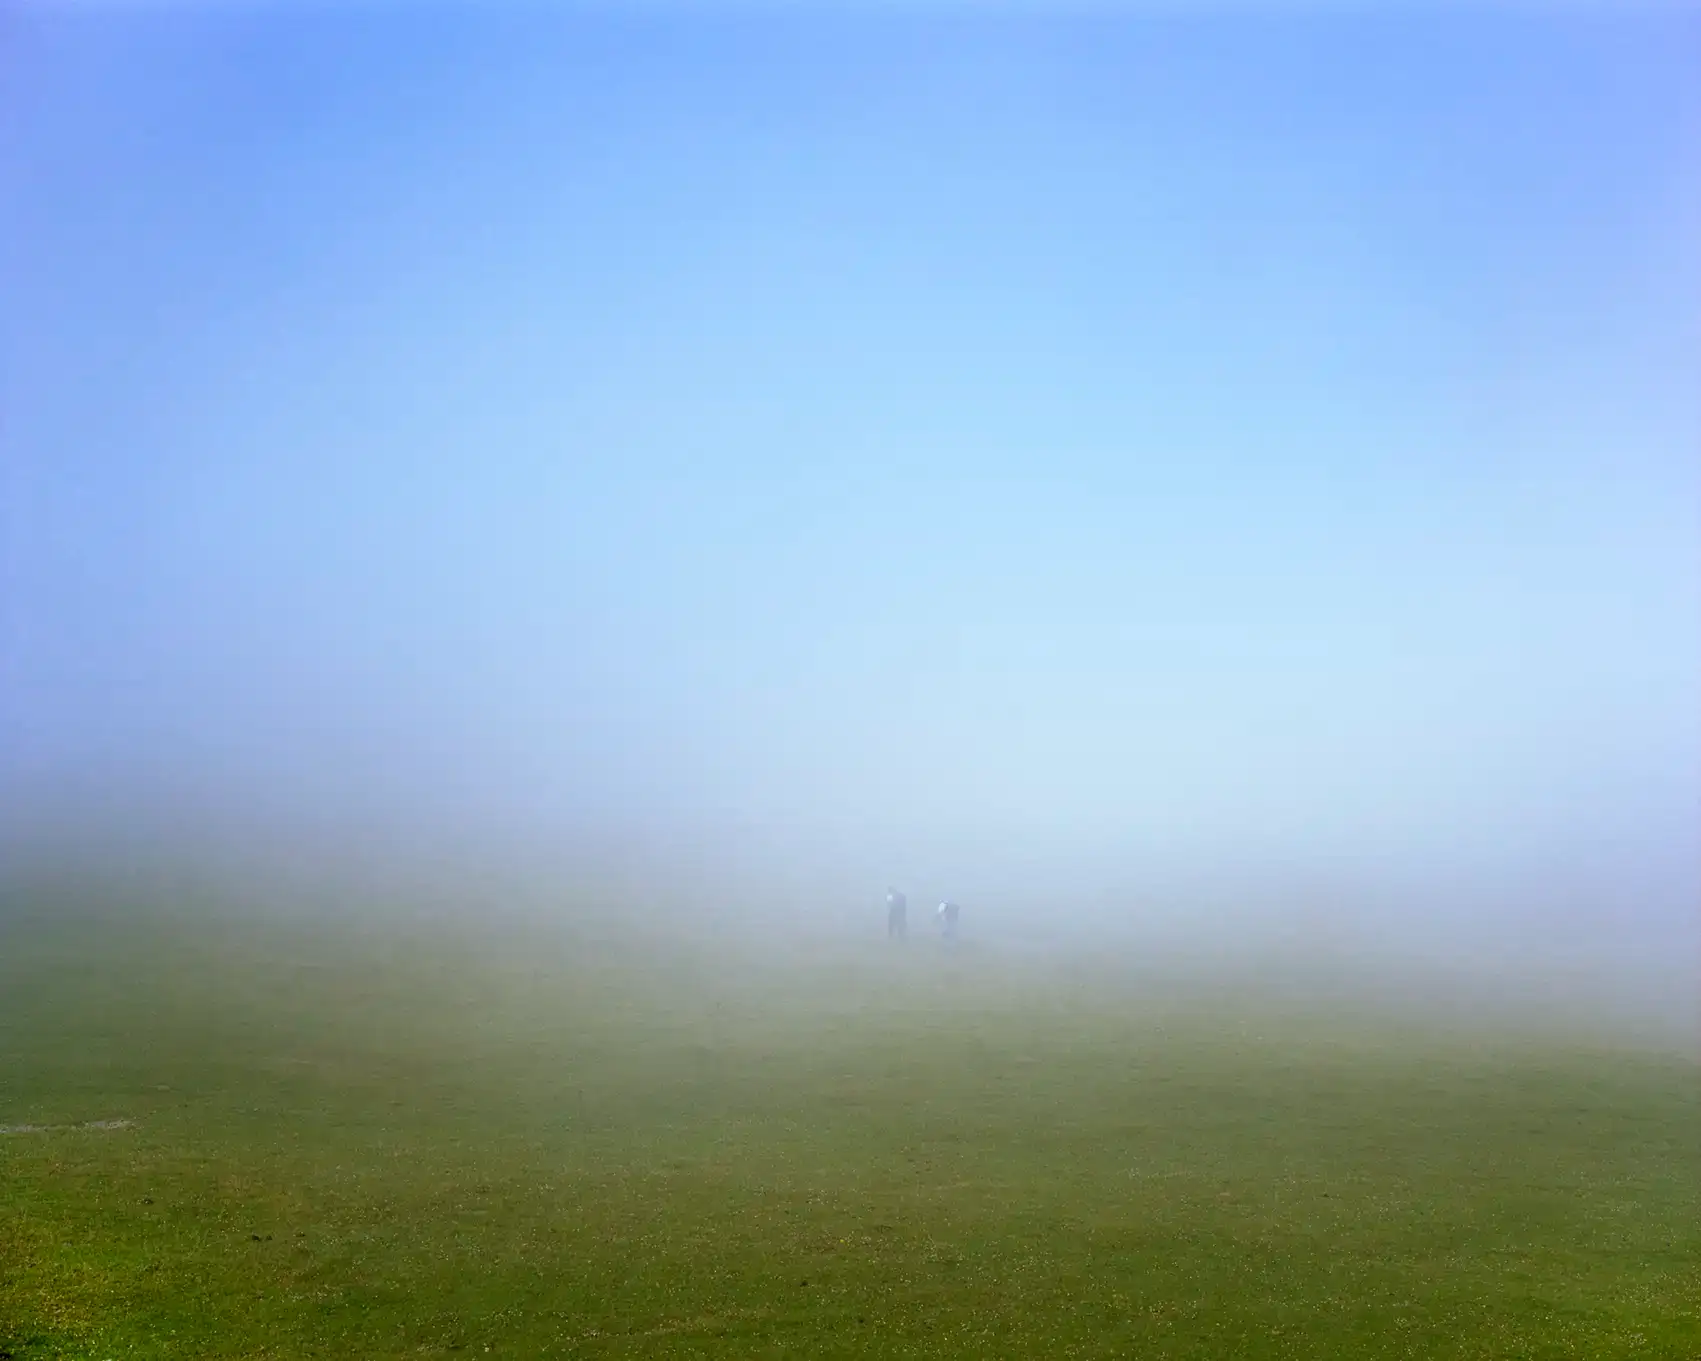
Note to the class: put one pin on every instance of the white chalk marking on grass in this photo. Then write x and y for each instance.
(49, 1129)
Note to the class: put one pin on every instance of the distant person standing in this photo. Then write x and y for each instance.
(897, 915)
(947, 915)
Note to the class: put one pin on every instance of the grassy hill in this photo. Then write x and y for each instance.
(274, 1139)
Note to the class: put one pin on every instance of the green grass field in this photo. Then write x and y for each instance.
(417, 1141)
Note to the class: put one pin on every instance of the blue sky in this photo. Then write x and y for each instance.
(946, 443)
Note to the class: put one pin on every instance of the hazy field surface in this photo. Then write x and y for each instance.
(425, 1140)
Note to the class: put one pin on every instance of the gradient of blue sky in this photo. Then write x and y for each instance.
(966, 441)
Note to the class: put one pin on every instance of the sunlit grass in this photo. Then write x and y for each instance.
(405, 1142)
